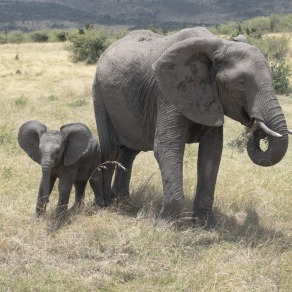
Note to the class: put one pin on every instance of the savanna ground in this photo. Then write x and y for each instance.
(118, 249)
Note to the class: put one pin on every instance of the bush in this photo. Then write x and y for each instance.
(3, 38)
(281, 23)
(39, 37)
(230, 28)
(275, 49)
(281, 73)
(88, 44)
(85, 47)
(61, 36)
(259, 24)
(16, 38)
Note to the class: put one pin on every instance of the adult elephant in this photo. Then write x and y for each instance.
(155, 92)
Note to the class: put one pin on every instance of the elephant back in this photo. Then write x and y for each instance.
(136, 52)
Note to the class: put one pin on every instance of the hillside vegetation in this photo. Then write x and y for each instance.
(87, 43)
(134, 13)
(118, 249)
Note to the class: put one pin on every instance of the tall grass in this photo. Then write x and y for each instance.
(118, 249)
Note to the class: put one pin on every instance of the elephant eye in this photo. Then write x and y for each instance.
(242, 81)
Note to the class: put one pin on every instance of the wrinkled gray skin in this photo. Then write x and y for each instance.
(157, 93)
(71, 154)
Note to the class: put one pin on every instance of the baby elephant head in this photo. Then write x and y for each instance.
(51, 148)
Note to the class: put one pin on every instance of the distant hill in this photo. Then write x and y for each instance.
(134, 13)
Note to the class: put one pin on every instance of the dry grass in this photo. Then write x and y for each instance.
(118, 249)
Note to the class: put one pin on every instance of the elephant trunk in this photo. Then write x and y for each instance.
(46, 164)
(272, 128)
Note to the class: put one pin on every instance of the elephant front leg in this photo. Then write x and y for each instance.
(210, 150)
(42, 200)
(169, 145)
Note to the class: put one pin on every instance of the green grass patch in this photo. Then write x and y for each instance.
(78, 102)
(21, 101)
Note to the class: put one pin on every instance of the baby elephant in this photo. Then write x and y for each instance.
(71, 154)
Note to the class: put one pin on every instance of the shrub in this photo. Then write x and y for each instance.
(16, 38)
(3, 38)
(61, 36)
(85, 47)
(230, 28)
(258, 24)
(39, 37)
(281, 73)
(281, 23)
(275, 49)
(88, 45)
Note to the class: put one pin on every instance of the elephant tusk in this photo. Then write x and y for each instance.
(290, 132)
(268, 130)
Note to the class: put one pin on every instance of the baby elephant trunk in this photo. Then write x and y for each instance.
(45, 187)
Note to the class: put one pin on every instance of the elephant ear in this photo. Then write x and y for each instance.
(240, 38)
(29, 135)
(183, 76)
(79, 139)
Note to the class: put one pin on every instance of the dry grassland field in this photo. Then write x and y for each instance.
(118, 248)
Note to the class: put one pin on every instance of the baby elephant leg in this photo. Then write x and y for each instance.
(41, 200)
(65, 187)
(79, 195)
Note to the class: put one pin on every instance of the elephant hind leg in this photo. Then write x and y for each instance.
(108, 139)
(79, 195)
(107, 174)
(123, 172)
(96, 185)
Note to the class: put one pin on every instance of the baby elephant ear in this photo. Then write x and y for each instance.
(183, 77)
(29, 135)
(79, 139)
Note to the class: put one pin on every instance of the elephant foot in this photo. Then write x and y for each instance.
(124, 199)
(38, 214)
(204, 219)
(76, 208)
(170, 212)
(40, 211)
(99, 202)
(123, 203)
(109, 199)
(61, 213)
(118, 199)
